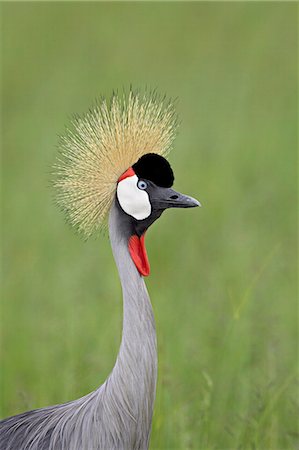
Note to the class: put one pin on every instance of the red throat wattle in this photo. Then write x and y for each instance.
(138, 254)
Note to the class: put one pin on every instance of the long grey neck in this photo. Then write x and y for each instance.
(133, 379)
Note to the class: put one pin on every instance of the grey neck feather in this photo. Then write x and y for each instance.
(132, 382)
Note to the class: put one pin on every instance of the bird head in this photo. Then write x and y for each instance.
(143, 193)
(116, 153)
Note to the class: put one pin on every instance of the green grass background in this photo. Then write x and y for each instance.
(223, 281)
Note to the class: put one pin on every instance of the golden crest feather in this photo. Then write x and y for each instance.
(102, 145)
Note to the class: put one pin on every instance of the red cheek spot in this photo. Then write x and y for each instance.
(138, 254)
(128, 173)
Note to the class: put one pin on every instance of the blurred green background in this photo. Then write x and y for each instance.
(223, 281)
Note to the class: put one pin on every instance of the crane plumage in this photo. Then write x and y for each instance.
(112, 162)
(101, 145)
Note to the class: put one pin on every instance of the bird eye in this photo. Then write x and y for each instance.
(142, 184)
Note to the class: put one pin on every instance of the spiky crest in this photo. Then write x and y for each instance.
(103, 144)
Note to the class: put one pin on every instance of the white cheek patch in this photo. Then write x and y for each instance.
(133, 200)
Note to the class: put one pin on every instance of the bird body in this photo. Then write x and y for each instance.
(117, 415)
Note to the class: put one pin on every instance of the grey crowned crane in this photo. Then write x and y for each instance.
(112, 163)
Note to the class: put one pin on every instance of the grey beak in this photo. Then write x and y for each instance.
(168, 198)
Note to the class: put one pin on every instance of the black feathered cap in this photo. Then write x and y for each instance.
(154, 168)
